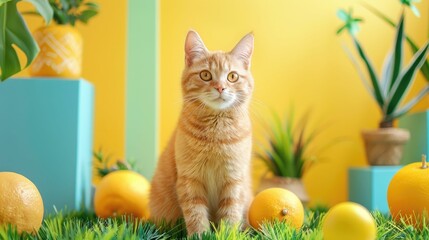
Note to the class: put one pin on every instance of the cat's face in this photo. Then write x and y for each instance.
(218, 80)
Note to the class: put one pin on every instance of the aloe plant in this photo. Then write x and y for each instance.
(14, 32)
(393, 85)
(285, 154)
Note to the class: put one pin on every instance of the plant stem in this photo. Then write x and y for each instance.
(386, 124)
(424, 164)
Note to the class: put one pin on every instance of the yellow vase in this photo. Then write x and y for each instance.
(60, 52)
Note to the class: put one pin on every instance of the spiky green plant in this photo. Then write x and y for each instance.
(71, 11)
(414, 47)
(393, 85)
(285, 154)
(106, 165)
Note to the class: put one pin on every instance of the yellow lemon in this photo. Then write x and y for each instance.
(408, 194)
(20, 203)
(349, 221)
(122, 192)
(276, 203)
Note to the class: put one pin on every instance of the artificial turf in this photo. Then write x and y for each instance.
(85, 225)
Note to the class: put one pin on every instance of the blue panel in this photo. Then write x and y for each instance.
(85, 145)
(368, 186)
(46, 135)
(418, 125)
(359, 182)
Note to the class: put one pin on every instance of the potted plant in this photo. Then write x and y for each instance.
(384, 145)
(286, 154)
(14, 32)
(412, 44)
(416, 120)
(61, 43)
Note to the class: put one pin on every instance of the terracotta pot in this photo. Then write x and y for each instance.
(60, 52)
(384, 146)
(294, 185)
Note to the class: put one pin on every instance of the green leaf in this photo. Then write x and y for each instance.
(271, 167)
(14, 31)
(343, 15)
(360, 72)
(372, 74)
(398, 52)
(65, 5)
(4, 1)
(425, 68)
(407, 107)
(415, 10)
(387, 75)
(86, 15)
(92, 5)
(35, 13)
(350, 23)
(402, 86)
(43, 8)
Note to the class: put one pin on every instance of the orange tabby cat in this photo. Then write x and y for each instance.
(204, 173)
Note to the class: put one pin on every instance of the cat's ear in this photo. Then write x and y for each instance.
(194, 47)
(244, 49)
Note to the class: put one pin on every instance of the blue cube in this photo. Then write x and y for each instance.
(46, 135)
(368, 186)
(418, 125)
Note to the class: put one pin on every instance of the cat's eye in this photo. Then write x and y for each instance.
(205, 75)
(233, 77)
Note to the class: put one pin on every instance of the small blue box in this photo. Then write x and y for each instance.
(368, 186)
(46, 135)
(418, 125)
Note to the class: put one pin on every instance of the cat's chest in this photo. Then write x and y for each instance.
(212, 131)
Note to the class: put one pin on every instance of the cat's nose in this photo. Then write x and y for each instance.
(220, 89)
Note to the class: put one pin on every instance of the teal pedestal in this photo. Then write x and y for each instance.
(368, 186)
(46, 135)
(418, 125)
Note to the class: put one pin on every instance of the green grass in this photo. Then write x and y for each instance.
(85, 225)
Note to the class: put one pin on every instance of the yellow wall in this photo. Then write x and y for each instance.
(104, 66)
(298, 59)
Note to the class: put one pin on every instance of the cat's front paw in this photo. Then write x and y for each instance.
(196, 234)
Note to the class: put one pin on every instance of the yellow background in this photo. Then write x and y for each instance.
(298, 60)
(104, 65)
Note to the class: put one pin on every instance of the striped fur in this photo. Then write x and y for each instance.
(204, 173)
